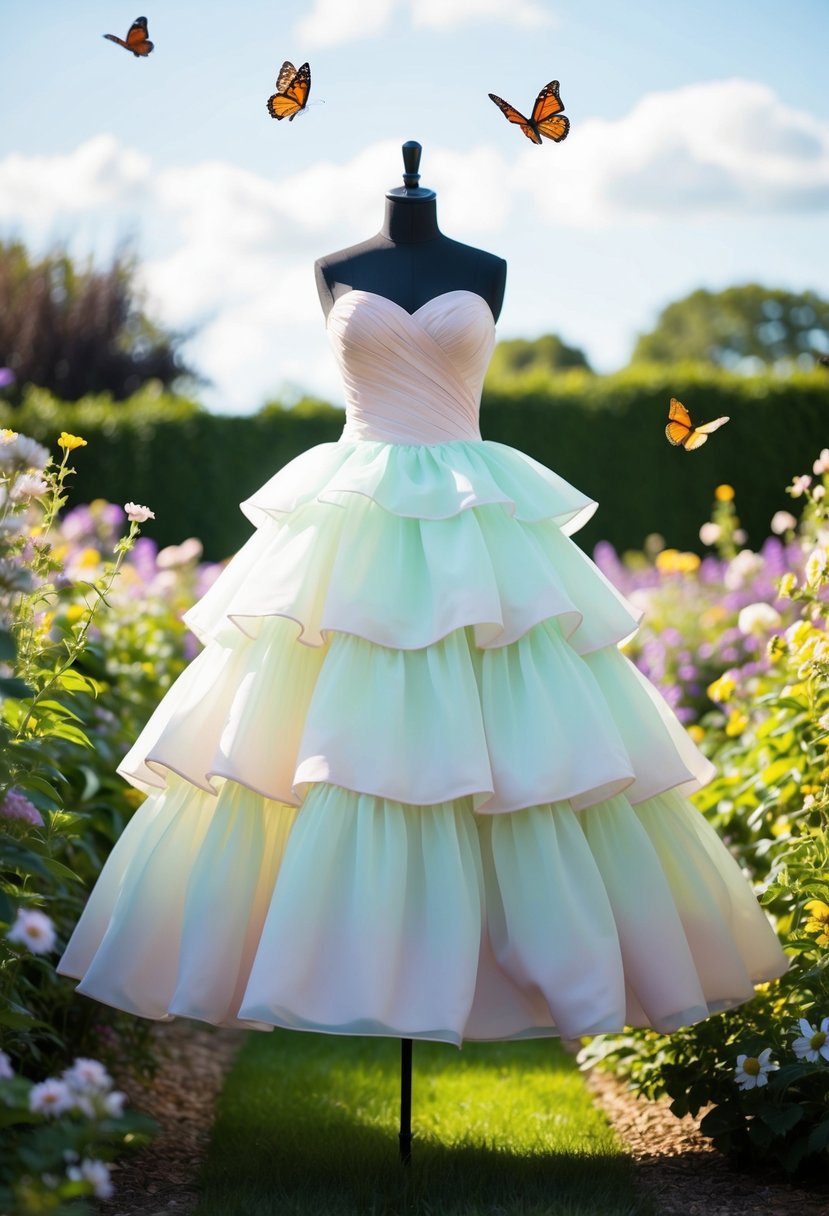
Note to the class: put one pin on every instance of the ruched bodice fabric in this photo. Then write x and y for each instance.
(412, 785)
(412, 377)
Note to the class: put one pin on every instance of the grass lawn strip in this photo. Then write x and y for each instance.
(307, 1125)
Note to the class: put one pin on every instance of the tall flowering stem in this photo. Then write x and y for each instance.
(100, 590)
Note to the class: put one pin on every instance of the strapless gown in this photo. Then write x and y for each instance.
(411, 785)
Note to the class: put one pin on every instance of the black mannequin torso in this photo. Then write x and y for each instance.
(410, 260)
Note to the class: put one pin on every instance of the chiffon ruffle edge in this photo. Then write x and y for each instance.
(411, 786)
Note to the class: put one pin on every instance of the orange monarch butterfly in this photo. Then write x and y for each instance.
(546, 118)
(292, 88)
(136, 40)
(681, 431)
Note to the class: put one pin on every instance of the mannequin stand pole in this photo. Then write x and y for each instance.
(405, 1101)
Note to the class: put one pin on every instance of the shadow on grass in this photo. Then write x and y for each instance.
(308, 1125)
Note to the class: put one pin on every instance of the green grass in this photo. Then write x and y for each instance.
(307, 1126)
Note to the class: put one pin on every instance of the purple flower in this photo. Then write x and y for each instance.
(7, 377)
(17, 806)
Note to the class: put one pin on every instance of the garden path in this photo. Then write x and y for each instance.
(676, 1165)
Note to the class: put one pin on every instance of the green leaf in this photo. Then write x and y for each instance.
(59, 870)
(11, 686)
(819, 1137)
(760, 1133)
(75, 681)
(19, 1019)
(32, 782)
(73, 734)
(721, 1120)
(56, 707)
(781, 1119)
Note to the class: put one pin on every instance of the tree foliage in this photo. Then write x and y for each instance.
(520, 356)
(79, 330)
(739, 328)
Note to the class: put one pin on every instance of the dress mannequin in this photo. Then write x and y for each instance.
(410, 260)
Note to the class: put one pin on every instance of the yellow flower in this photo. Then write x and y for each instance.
(818, 922)
(7, 436)
(671, 561)
(724, 493)
(816, 567)
(722, 689)
(70, 442)
(736, 724)
(74, 613)
(712, 616)
(786, 586)
(780, 827)
(775, 648)
(696, 732)
(88, 557)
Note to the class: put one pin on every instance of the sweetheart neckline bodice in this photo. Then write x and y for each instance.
(443, 295)
(412, 377)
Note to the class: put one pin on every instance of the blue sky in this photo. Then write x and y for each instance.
(698, 156)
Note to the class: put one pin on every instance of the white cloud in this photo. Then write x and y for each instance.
(96, 174)
(706, 150)
(447, 14)
(332, 22)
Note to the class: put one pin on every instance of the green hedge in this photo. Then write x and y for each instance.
(606, 434)
(603, 433)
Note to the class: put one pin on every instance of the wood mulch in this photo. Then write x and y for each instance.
(681, 1171)
(160, 1180)
(675, 1164)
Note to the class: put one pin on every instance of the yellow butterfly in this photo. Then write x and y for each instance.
(292, 88)
(681, 431)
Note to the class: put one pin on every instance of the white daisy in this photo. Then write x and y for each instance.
(752, 1071)
(758, 618)
(34, 930)
(50, 1097)
(95, 1172)
(811, 1044)
(114, 1104)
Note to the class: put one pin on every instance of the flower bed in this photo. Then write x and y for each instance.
(755, 625)
(90, 637)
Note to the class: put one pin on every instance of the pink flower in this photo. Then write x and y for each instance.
(86, 1074)
(138, 514)
(783, 521)
(821, 465)
(17, 806)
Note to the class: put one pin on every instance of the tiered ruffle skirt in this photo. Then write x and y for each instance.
(412, 787)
